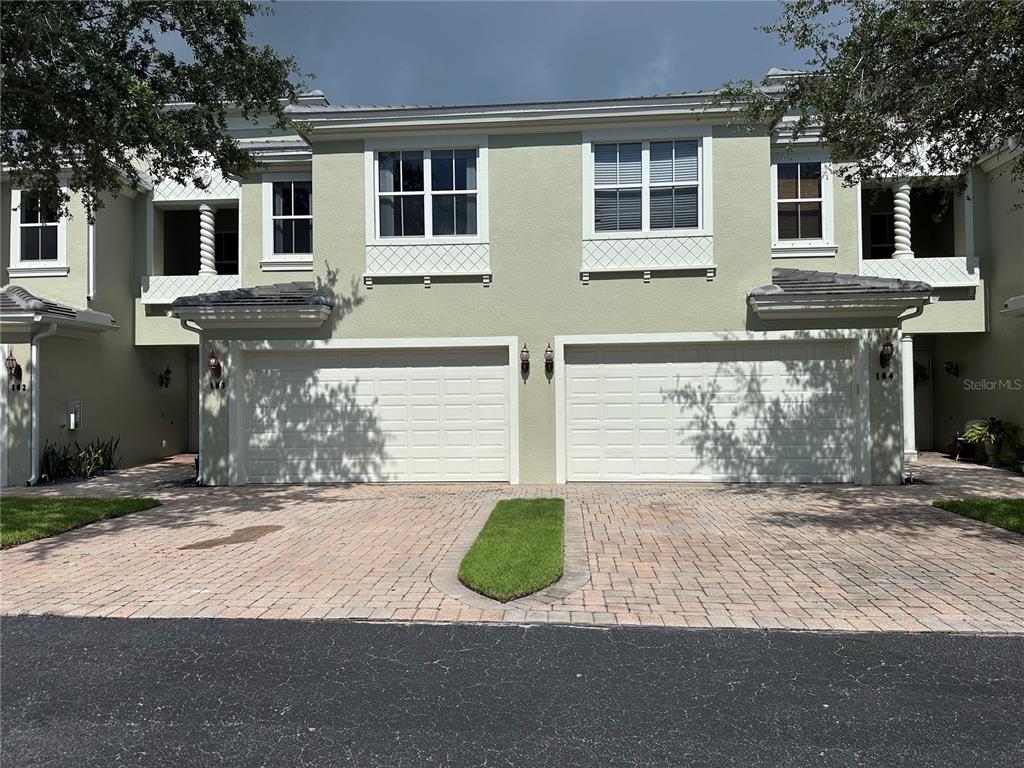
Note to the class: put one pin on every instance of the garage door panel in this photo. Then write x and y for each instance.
(375, 415)
(750, 411)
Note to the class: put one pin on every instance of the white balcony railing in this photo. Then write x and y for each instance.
(163, 289)
(942, 272)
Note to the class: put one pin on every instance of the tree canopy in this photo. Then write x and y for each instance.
(898, 86)
(91, 88)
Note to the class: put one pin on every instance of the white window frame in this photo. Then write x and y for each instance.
(280, 262)
(49, 268)
(821, 247)
(705, 213)
(426, 145)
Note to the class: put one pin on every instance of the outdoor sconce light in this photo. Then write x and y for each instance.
(215, 372)
(14, 373)
(549, 360)
(164, 379)
(524, 362)
(953, 369)
(886, 354)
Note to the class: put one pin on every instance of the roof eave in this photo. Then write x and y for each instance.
(227, 316)
(789, 307)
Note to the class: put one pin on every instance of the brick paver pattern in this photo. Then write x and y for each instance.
(799, 557)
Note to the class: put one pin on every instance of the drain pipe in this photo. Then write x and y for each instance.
(199, 459)
(36, 395)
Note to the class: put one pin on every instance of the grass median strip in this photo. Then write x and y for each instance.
(519, 550)
(24, 519)
(1005, 513)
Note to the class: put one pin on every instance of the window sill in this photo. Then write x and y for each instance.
(402, 242)
(53, 270)
(804, 251)
(272, 264)
(660, 234)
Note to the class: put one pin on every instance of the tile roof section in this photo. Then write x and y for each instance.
(808, 283)
(298, 294)
(15, 300)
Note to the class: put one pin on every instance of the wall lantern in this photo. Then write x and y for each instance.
(524, 362)
(14, 372)
(549, 360)
(886, 354)
(215, 372)
(164, 379)
(953, 369)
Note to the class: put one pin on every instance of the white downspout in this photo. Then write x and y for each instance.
(199, 389)
(36, 395)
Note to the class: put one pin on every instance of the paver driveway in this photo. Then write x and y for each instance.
(814, 557)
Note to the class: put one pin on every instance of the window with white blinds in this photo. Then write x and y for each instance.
(647, 185)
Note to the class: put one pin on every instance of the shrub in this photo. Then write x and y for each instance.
(61, 461)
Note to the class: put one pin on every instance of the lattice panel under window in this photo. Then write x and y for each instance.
(422, 260)
(647, 253)
(163, 289)
(937, 272)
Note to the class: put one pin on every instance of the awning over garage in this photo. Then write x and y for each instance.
(801, 293)
(297, 304)
(23, 312)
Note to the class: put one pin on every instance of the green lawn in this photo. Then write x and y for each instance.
(29, 518)
(518, 551)
(1006, 513)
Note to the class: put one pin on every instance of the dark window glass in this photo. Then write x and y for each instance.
(390, 216)
(282, 198)
(412, 172)
(443, 213)
(810, 180)
(465, 169)
(30, 243)
(810, 220)
(465, 215)
(412, 215)
(787, 184)
(788, 224)
(29, 210)
(442, 169)
(226, 252)
(48, 243)
(303, 230)
(301, 191)
(283, 237)
(387, 163)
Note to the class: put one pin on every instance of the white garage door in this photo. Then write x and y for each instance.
(372, 416)
(724, 412)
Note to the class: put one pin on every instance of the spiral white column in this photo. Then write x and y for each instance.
(901, 217)
(207, 244)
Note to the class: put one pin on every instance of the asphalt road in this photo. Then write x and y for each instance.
(110, 692)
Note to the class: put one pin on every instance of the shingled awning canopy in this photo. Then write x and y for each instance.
(23, 311)
(293, 304)
(803, 293)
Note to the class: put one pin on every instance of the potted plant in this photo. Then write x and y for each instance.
(991, 435)
(952, 448)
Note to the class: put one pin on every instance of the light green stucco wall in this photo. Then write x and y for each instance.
(115, 380)
(536, 228)
(996, 356)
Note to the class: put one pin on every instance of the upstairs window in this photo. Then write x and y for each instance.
(647, 186)
(38, 229)
(799, 201)
(427, 193)
(292, 217)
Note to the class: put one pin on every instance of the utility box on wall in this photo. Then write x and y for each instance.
(74, 414)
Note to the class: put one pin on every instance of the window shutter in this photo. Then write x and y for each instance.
(629, 163)
(685, 213)
(630, 213)
(661, 208)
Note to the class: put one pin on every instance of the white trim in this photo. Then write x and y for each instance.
(274, 261)
(234, 423)
(415, 143)
(705, 186)
(457, 342)
(4, 387)
(150, 235)
(40, 267)
(862, 397)
(838, 334)
(825, 246)
(91, 295)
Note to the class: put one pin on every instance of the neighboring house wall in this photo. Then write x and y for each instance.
(535, 205)
(994, 357)
(115, 380)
